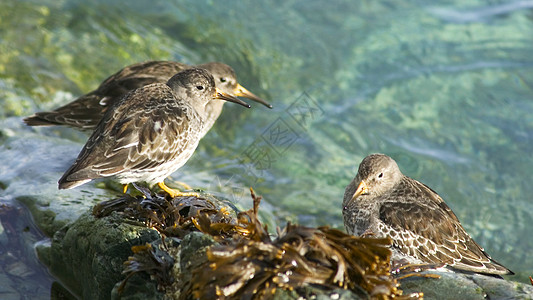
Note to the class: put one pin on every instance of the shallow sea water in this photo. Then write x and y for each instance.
(445, 88)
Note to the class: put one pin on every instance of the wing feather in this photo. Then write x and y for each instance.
(87, 111)
(138, 132)
(431, 232)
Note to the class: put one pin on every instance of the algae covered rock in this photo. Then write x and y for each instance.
(151, 247)
(87, 255)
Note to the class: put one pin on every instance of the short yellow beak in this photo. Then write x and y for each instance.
(361, 190)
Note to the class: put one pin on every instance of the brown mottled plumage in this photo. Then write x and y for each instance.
(382, 201)
(149, 133)
(86, 111)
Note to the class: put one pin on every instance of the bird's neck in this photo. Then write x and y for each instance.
(199, 108)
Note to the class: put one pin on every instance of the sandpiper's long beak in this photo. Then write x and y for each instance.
(361, 190)
(242, 92)
(223, 96)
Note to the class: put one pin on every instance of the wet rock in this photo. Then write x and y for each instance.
(138, 287)
(117, 256)
(7, 288)
(453, 285)
(87, 255)
(501, 289)
(32, 160)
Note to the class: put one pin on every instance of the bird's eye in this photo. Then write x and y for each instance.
(199, 87)
(222, 79)
(380, 175)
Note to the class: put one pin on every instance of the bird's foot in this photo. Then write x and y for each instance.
(175, 193)
(182, 184)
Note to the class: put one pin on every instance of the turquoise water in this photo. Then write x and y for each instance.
(445, 88)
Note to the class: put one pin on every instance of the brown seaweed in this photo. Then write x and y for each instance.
(246, 262)
(151, 260)
(253, 266)
(172, 218)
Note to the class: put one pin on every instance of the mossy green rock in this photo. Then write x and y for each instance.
(87, 256)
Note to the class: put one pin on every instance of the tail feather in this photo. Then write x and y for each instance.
(64, 184)
(85, 113)
(74, 177)
(37, 120)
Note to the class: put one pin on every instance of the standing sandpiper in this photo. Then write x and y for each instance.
(86, 111)
(149, 133)
(383, 202)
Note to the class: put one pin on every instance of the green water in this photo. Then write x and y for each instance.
(445, 88)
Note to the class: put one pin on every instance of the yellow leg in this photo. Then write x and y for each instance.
(125, 188)
(183, 184)
(174, 193)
